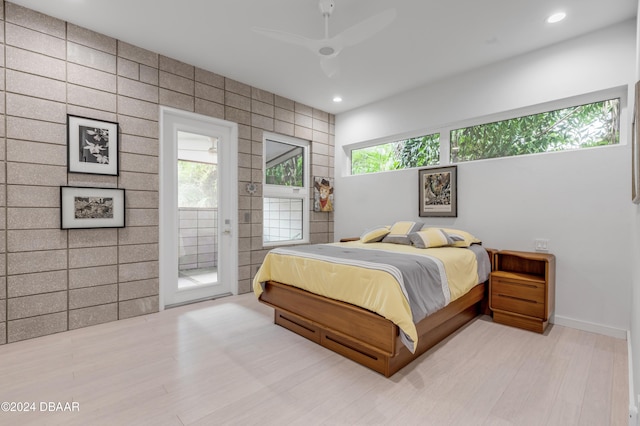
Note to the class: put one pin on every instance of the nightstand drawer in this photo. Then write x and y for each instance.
(523, 297)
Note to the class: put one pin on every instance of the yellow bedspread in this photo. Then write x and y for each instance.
(375, 290)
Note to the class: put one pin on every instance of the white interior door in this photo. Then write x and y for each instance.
(198, 207)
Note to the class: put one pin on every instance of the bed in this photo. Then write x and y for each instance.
(353, 298)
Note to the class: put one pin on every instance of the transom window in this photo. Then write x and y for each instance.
(402, 154)
(579, 126)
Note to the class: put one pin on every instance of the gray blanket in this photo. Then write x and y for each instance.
(422, 279)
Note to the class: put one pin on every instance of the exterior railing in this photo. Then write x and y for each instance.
(197, 238)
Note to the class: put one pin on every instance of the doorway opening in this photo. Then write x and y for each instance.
(198, 207)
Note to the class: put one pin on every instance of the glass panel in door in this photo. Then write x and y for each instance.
(197, 210)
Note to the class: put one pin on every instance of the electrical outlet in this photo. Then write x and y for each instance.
(633, 414)
(541, 244)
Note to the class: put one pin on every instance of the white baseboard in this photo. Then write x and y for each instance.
(590, 327)
(633, 408)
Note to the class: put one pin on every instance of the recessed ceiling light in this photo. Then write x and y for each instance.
(337, 99)
(556, 17)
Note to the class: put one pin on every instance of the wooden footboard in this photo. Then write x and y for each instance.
(362, 335)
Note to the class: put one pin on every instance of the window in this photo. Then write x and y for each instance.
(582, 122)
(581, 126)
(403, 154)
(286, 190)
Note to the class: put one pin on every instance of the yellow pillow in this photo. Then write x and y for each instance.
(461, 238)
(430, 237)
(373, 235)
(399, 232)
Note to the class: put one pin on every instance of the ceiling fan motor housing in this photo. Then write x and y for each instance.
(326, 50)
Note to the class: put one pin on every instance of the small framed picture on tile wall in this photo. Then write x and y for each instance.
(92, 146)
(322, 194)
(84, 207)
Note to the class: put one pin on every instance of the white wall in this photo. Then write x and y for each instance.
(578, 200)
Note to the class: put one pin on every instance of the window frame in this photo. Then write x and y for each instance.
(385, 141)
(289, 192)
(620, 92)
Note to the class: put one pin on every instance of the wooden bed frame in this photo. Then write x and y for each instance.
(364, 336)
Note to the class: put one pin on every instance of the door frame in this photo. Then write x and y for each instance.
(168, 194)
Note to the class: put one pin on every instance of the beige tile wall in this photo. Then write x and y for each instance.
(53, 280)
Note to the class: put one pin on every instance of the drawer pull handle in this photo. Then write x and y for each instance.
(373, 357)
(517, 298)
(296, 323)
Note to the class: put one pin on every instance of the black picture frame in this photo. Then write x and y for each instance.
(438, 192)
(92, 146)
(89, 207)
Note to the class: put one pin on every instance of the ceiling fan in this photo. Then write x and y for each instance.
(328, 48)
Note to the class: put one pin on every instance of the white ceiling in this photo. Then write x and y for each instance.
(428, 40)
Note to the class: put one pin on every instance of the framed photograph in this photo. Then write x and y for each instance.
(92, 146)
(635, 150)
(83, 208)
(322, 194)
(437, 192)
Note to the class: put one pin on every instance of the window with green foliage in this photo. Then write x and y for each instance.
(403, 154)
(285, 165)
(197, 184)
(581, 126)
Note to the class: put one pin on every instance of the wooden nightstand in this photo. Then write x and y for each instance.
(522, 289)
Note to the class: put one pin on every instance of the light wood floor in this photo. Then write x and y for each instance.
(225, 362)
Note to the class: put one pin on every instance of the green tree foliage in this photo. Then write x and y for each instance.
(287, 173)
(197, 184)
(413, 152)
(569, 128)
(418, 152)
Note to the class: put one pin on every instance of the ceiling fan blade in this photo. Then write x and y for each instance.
(367, 28)
(287, 37)
(330, 65)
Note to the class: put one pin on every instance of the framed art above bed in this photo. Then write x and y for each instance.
(438, 192)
